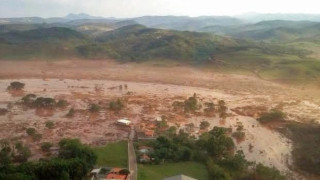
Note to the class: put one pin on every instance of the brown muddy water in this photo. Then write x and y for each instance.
(145, 102)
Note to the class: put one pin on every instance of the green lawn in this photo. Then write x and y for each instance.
(158, 172)
(113, 154)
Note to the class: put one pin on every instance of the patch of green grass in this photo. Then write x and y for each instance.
(113, 154)
(158, 172)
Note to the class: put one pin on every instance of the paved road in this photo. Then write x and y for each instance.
(132, 157)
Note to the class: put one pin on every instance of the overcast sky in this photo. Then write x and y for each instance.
(134, 8)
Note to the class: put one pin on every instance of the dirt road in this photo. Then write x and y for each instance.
(132, 157)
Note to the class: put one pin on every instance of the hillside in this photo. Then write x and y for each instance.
(42, 42)
(138, 43)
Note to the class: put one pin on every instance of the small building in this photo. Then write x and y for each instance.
(179, 177)
(115, 174)
(124, 121)
(144, 158)
(145, 149)
(116, 177)
(149, 133)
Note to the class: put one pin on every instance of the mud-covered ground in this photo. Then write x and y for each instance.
(152, 88)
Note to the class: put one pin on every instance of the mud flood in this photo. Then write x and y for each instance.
(148, 93)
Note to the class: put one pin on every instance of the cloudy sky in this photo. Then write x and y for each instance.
(133, 8)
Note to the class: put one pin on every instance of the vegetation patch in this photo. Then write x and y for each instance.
(159, 172)
(113, 154)
(16, 86)
(32, 101)
(306, 149)
(272, 116)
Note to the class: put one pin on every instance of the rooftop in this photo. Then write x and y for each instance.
(179, 177)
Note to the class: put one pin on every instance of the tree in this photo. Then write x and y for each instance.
(204, 125)
(116, 105)
(5, 157)
(71, 113)
(23, 153)
(94, 108)
(50, 124)
(191, 104)
(31, 131)
(62, 103)
(273, 115)
(46, 146)
(72, 148)
(29, 99)
(265, 173)
(16, 86)
(237, 165)
(216, 172)
(218, 144)
(44, 102)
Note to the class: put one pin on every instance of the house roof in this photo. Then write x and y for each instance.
(115, 170)
(116, 176)
(149, 132)
(179, 177)
(144, 156)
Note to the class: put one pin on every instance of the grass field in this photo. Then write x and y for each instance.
(113, 154)
(158, 172)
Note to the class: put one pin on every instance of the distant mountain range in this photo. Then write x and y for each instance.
(274, 48)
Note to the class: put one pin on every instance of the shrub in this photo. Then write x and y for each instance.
(204, 125)
(94, 108)
(42, 102)
(191, 104)
(264, 172)
(37, 137)
(46, 146)
(31, 131)
(216, 172)
(50, 124)
(71, 113)
(16, 86)
(62, 103)
(239, 135)
(29, 99)
(272, 116)
(116, 105)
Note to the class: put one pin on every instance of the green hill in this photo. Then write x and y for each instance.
(45, 43)
(137, 42)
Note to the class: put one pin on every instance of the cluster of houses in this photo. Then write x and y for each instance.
(106, 173)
